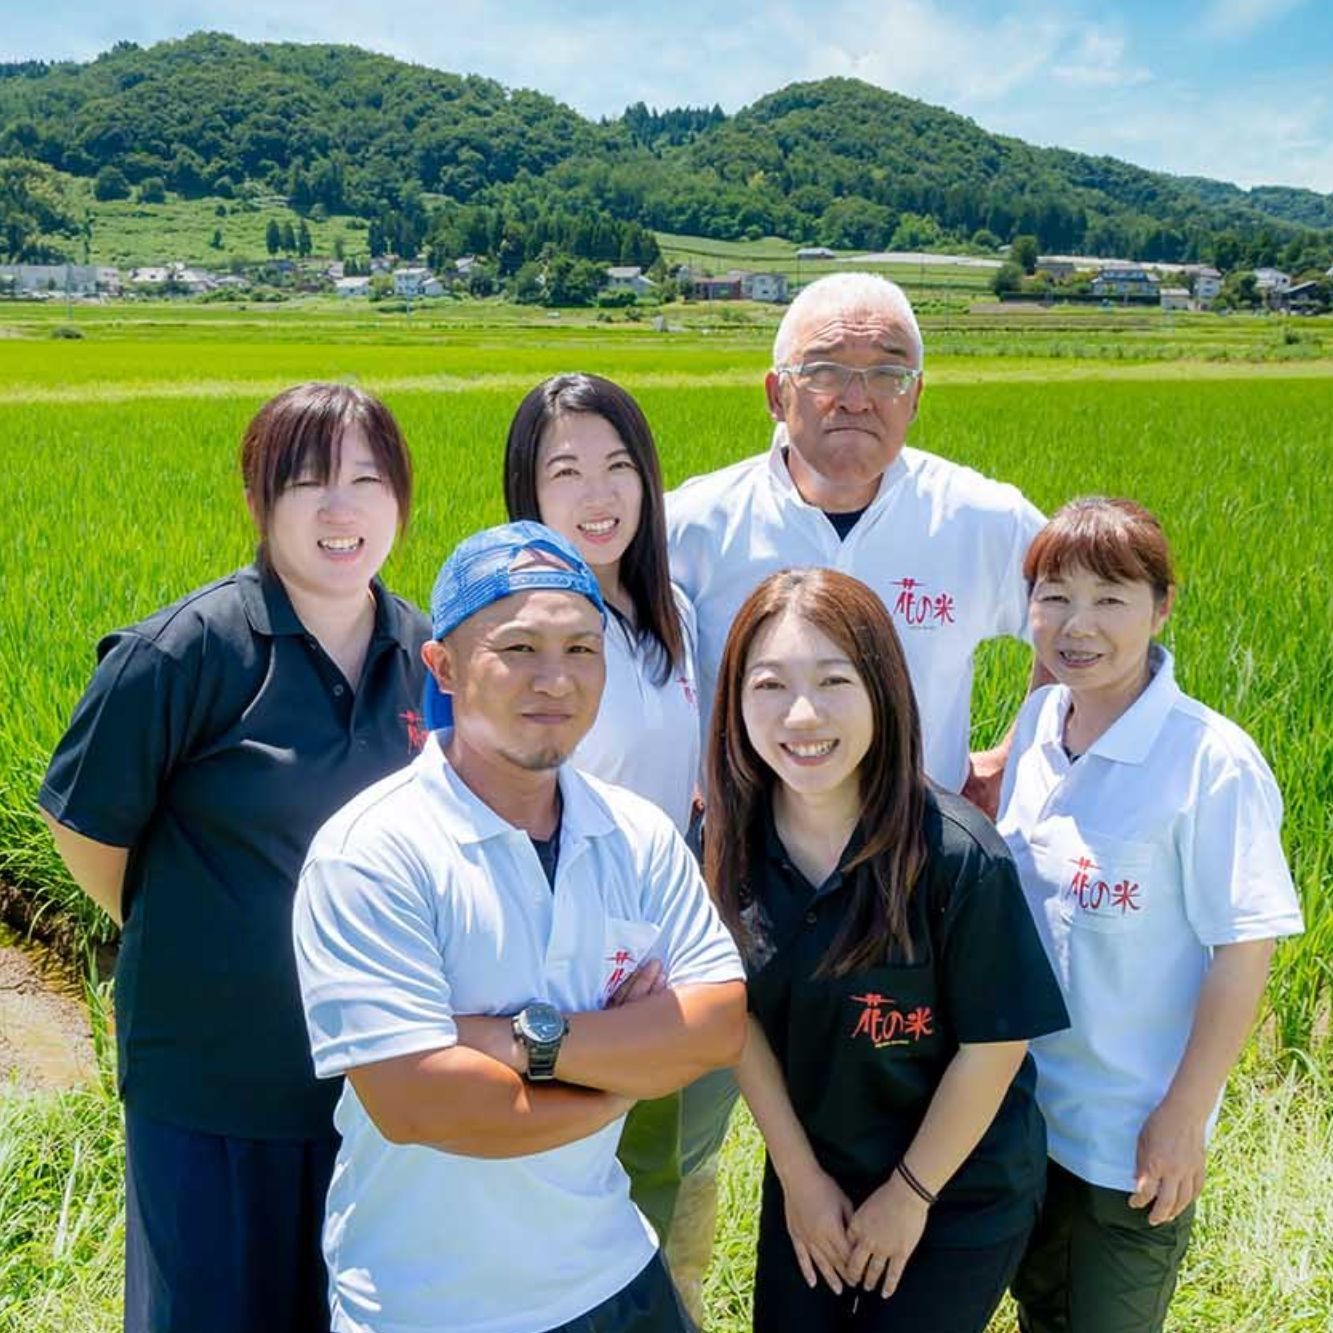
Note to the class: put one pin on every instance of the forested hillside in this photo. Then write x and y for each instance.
(463, 163)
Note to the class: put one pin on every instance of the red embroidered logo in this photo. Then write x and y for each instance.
(918, 608)
(1096, 895)
(622, 964)
(688, 690)
(885, 1024)
(417, 731)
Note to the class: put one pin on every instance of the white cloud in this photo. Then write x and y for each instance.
(1098, 61)
(1241, 18)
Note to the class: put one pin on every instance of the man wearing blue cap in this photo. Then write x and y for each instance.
(502, 955)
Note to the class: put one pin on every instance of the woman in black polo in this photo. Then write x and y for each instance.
(216, 736)
(894, 979)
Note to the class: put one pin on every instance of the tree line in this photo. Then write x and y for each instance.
(335, 129)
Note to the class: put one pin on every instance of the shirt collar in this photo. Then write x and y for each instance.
(776, 857)
(786, 487)
(469, 819)
(1130, 738)
(267, 606)
(269, 610)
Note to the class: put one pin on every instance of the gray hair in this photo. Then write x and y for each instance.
(849, 292)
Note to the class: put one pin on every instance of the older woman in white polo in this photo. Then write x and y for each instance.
(1146, 831)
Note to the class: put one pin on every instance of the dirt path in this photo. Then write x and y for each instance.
(45, 1040)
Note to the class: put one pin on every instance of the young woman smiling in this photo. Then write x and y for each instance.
(1146, 829)
(580, 458)
(217, 735)
(894, 979)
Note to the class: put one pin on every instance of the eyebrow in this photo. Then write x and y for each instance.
(771, 664)
(830, 349)
(569, 457)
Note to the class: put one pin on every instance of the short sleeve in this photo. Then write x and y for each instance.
(995, 975)
(124, 738)
(371, 972)
(1236, 882)
(693, 944)
(1011, 596)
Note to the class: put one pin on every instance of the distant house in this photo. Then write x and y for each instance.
(1303, 298)
(149, 275)
(196, 281)
(1175, 298)
(815, 252)
(55, 279)
(628, 278)
(1056, 269)
(1272, 280)
(1128, 282)
(764, 286)
(726, 287)
(1207, 285)
(381, 264)
(335, 269)
(464, 264)
(415, 281)
(346, 288)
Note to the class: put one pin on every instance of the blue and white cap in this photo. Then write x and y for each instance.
(496, 563)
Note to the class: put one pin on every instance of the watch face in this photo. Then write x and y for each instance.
(544, 1022)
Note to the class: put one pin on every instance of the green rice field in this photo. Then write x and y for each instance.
(119, 450)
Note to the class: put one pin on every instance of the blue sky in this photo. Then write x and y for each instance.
(1240, 90)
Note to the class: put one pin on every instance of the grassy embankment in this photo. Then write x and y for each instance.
(119, 452)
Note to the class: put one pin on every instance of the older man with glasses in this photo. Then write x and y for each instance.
(941, 544)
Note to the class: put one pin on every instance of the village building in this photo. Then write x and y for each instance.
(346, 288)
(1129, 282)
(628, 278)
(80, 280)
(1176, 298)
(414, 281)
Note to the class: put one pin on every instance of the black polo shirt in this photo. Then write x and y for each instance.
(215, 738)
(863, 1054)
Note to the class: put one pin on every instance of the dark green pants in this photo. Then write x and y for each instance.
(650, 1153)
(1094, 1265)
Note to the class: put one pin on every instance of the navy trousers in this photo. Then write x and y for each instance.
(222, 1235)
(649, 1304)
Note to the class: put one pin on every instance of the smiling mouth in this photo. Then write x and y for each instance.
(602, 527)
(341, 545)
(809, 751)
(1076, 659)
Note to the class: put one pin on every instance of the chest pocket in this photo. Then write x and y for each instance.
(1104, 884)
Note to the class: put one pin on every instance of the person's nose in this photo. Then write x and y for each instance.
(803, 712)
(553, 677)
(336, 503)
(1079, 622)
(855, 397)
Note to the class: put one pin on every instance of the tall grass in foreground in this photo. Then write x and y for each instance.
(1260, 1261)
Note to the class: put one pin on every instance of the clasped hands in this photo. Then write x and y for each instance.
(865, 1247)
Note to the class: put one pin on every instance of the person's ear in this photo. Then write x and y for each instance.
(252, 504)
(773, 393)
(1163, 609)
(439, 661)
(917, 389)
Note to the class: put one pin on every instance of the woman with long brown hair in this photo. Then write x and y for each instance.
(895, 977)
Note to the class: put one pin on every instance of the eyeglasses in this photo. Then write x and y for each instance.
(887, 381)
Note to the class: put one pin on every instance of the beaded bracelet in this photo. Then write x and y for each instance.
(915, 1185)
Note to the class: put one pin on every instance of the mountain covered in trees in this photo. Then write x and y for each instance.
(465, 165)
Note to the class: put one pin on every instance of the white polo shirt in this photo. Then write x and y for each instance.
(1159, 843)
(418, 902)
(942, 545)
(646, 736)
